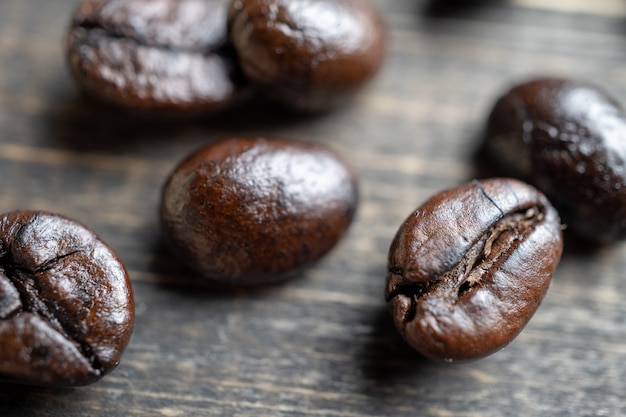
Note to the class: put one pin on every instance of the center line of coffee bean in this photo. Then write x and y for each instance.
(477, 264)
(19, 287)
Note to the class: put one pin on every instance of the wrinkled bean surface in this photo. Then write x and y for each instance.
(66, 306)
(468, 269)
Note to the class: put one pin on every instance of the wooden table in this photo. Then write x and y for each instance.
(320, 345)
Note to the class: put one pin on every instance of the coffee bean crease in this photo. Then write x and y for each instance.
(66, 305)
(477, 265)
(28, 283)
(468, 269)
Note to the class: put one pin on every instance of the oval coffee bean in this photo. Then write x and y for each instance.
(154, 55)
(566, 138)
(468, 269)
(255, 210)
(66, 306)
(309, 54)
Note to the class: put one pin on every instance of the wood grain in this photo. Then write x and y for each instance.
(321, 345)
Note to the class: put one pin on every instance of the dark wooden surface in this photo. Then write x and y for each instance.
(321, 345)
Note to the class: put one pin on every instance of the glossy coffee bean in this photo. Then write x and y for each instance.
(469, 268)
(247, 211)
(66, 306)
(168, 56)
(309, 54)
(568, 138)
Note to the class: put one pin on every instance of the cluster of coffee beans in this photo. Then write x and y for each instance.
(468, 269)
(197, 56)
(242, 211)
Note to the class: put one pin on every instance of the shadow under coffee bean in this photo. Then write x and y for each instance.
(66, 305)
(469, 268)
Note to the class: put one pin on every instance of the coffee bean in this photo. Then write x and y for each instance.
(254, 210)
(154, 55)
(568, 138)
(66, 306)
(309, 54)
(468, 269)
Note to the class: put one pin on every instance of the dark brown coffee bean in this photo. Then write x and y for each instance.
(154, 55)
(468, 269)
(308, 53)
(255, 210)
(66, 306)
(567, 138)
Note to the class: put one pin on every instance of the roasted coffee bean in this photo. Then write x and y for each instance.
(154, 55)
(66, 306)
(254, 210)
(568, 138)
(468, 269)
(309, 54)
